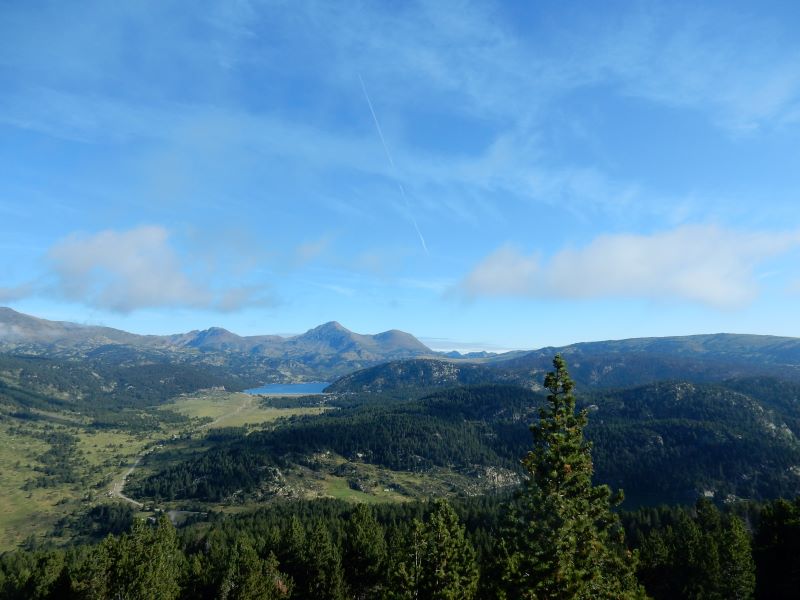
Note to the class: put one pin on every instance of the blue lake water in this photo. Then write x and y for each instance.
(290, 389)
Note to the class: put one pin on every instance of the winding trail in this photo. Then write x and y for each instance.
(117, 488)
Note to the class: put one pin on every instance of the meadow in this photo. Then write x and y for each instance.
(37, 505)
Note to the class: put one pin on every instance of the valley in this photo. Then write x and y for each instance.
(53, 470)
(94, 436)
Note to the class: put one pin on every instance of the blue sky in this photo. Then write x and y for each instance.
(535, 173)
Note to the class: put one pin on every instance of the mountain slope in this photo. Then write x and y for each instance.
(698, 358)
(420, 373)
(21, 329)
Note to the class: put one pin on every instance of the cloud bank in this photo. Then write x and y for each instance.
(704, 264)
(123, 271)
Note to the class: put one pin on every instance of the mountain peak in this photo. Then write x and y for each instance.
(331, 329)
(331, 326)
(215, 337)
(217, 331)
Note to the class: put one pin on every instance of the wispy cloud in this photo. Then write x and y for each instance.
(338, 289)
(741, 68)
(702, 263)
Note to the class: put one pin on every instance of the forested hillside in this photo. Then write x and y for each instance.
(669, 442)
(332, 546)
(413, 375)
(108, 388)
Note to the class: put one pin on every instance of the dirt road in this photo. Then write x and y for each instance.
(117, 488)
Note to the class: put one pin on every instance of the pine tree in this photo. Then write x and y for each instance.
(249, 577)
(449, 570)
(405, 562)
(293, 555)
(365, 552)
(90, 577)
(738, 581)
(46, 576)
(324, 575)
(705, 557)
(146, 563)
(562, 540)
(777, 550)
(434, 560)
(703, 553)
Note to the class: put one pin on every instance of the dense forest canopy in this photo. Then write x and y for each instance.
(667, 442)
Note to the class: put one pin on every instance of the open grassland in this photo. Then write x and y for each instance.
(225, 409)
(32, 500)
(21, 508)
(339, 488)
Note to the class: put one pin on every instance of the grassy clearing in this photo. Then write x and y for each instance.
(110, 448)
(331, 475)
(225, 409)
(102, 456)
(339, 488)
(21, 508)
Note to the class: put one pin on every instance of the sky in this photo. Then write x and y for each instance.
(483, 175)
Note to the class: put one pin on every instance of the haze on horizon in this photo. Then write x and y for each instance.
(485, 175)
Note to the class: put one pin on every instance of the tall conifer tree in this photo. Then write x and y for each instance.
(563, 541)
(435, 561)
(364, 553)
(449, 570)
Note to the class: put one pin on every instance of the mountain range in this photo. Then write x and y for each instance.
(395, 359)
(607, 364)
(326, 351)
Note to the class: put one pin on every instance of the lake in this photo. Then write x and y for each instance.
(290, 389)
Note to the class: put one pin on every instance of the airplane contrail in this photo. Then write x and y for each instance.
(391, 163)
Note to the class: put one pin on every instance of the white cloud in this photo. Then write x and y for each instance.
(123, 271)
(701, 263)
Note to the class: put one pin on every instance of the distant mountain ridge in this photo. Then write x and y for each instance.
(609, 364)
(331, 351)
(328, 350)
(699, 358)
